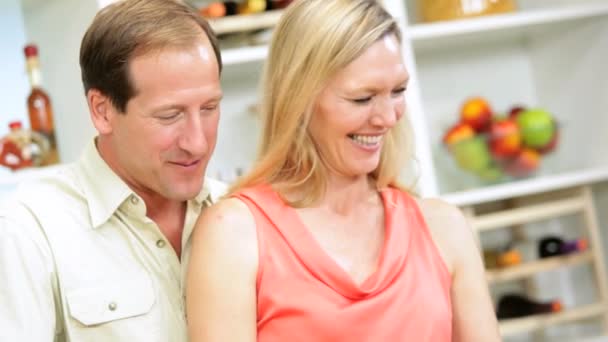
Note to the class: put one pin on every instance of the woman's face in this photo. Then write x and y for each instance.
(357, 109)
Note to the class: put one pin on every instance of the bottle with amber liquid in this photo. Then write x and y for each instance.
(39, 105)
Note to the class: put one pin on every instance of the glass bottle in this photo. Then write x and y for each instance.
(39, 105)
(514, 306)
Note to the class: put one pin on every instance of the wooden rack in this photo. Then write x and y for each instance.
(534, 208)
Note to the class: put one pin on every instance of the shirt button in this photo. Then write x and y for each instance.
(112, 306)
(160, 243)
(134, 199)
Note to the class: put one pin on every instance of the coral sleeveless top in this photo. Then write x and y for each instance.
(304, 295)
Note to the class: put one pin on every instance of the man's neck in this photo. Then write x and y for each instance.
(170, 217)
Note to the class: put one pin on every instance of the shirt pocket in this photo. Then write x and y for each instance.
(112, 311)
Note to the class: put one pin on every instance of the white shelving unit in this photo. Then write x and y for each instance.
(549, 53)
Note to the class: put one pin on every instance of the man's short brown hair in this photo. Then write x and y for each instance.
(131, 28)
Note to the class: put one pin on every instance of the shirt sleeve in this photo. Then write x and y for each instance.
(27, 304)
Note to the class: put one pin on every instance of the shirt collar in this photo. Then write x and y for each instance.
(105, 191)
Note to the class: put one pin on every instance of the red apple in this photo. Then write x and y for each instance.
(505, 139)
(515, 110)
(477, 113)
(457, 133)
(524, 164)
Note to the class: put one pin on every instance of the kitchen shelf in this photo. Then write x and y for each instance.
(527, 186)
(536, 322)
(244, 55)
(431, 35)
(527, 269)
(243, 23)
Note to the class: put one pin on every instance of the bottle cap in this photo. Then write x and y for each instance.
(582, 244)
(30, 50)
(13, 125)
(556, 306)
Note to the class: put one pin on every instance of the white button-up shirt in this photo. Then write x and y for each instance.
(81, 261)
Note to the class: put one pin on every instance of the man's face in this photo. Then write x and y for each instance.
(162, 144)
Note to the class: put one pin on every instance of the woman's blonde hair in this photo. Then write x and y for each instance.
(313, 41)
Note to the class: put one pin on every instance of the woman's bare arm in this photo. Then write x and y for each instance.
(473, 314)
(221, 280)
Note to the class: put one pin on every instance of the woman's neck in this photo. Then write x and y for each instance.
(343, 195)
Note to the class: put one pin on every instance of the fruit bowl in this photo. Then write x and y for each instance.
(495, 147)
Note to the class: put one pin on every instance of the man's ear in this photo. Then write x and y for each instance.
(102, 111)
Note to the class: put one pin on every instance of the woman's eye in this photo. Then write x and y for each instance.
(399, 91)
(362, 100)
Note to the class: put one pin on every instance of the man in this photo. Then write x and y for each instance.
(95, 252)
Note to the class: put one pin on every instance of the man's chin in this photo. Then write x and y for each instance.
(184, 193)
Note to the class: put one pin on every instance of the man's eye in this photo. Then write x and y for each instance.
(169, 117)
(209, 108)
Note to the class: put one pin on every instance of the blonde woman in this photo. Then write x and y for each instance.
(319, 242)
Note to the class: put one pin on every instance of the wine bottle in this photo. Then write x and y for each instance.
(39, 105)
(553, 246)
(515, 306)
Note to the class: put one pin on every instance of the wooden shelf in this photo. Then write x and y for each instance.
(521, 325)
(243, 23)
(432, 35)
(530, 268)
(528, 214)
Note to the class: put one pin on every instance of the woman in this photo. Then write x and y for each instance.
(319, 242)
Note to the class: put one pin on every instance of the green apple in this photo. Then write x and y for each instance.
(472, 154)
(537, 127)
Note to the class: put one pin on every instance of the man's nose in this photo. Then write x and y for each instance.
(192, 137)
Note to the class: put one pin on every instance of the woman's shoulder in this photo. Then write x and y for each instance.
(225, 234)
(448, 227)
(440, 211)
(227, 214)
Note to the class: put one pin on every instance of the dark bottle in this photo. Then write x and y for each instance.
(231, 7)
(276, 4)
(515, 306)
(553, 246)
